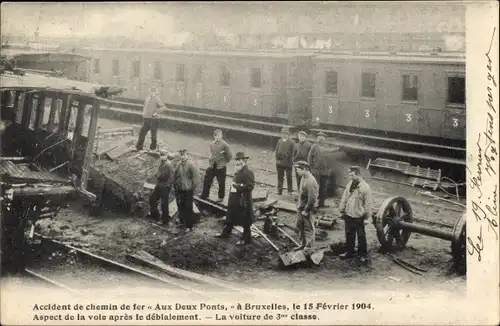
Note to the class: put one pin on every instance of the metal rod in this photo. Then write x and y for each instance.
(445, 235)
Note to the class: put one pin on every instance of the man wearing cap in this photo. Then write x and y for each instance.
(308, 192)
(165, 178)
(150, 118)
(319, 167)
(240, 206)
(301, 151)
(355, 205)
(186, 180)
(220, 156)
(284, 156)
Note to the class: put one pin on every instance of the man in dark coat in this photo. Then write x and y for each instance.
(186, 180)
(301, 152)
(319, 167)
(240, 206)
(164, 181)
(308, 192)
(284, 156)
(220, 156)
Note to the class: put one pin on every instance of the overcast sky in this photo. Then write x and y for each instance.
(164, 21)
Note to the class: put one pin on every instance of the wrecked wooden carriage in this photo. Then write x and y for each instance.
(43, 161)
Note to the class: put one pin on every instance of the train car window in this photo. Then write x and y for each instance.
(116, 67)
(331, 82)
(34, 104)
(180, 72)
(198, 74)
(456, 90)
(136, 68)
(410, 88)
(97, 64)
(44, 118)
(57, 115)
(368, 84)
(225, 76)
(19, 109)
(255, 77)
(86, 120)
(157, 70)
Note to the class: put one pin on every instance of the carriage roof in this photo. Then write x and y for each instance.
(56, 84)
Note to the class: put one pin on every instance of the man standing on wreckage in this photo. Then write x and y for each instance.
(240, 206)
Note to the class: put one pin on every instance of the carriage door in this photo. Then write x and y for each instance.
(279, 91)
(180, 84)
(195, 90)
(256, 94)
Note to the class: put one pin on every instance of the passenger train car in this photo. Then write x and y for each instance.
(411, 95)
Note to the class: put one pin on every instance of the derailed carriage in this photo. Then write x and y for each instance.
(48, 131)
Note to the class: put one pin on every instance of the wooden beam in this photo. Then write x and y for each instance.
(154, 262)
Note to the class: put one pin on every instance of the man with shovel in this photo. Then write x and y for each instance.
(308, 192)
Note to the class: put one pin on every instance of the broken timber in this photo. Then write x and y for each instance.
(150, 260)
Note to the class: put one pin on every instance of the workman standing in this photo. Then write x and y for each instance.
(317, 159)
(186, 180)
(240, 206)
(284, 160)
(220, 156)
(152, 105)
(161, 192)
(356, 207)
(308, 192)
(301, 151)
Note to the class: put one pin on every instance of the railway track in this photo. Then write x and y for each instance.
(408, 149)
(82, 273)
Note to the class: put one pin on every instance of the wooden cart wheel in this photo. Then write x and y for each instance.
(389, 235)
(459, 245)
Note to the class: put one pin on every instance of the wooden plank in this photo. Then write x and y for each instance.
(90, 142)
(183, 274)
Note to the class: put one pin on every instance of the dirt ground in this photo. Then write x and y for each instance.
(113, 234)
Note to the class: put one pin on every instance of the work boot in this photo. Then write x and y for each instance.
(222, 236)
(345, 255)
(363, 259)
(219, 201)
(242, 243)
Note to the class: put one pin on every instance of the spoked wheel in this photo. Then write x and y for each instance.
(459, 245)
(390, 213)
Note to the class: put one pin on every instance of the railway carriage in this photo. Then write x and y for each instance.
(258, 84)
(407, 94)
(417, 96)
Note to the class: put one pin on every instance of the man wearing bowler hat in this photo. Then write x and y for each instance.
(220, 156)
(240, 206)
(319, 167)
(308, 192)
(152, 104)
(356, 206)
(284, 160)
(186, 180)
(301, 151)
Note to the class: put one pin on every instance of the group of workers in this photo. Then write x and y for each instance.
(311, 170)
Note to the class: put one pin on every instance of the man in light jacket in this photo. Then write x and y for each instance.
(284, 160)
(220, 156)
(356, 206)
(152, 105)
(186, 180)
